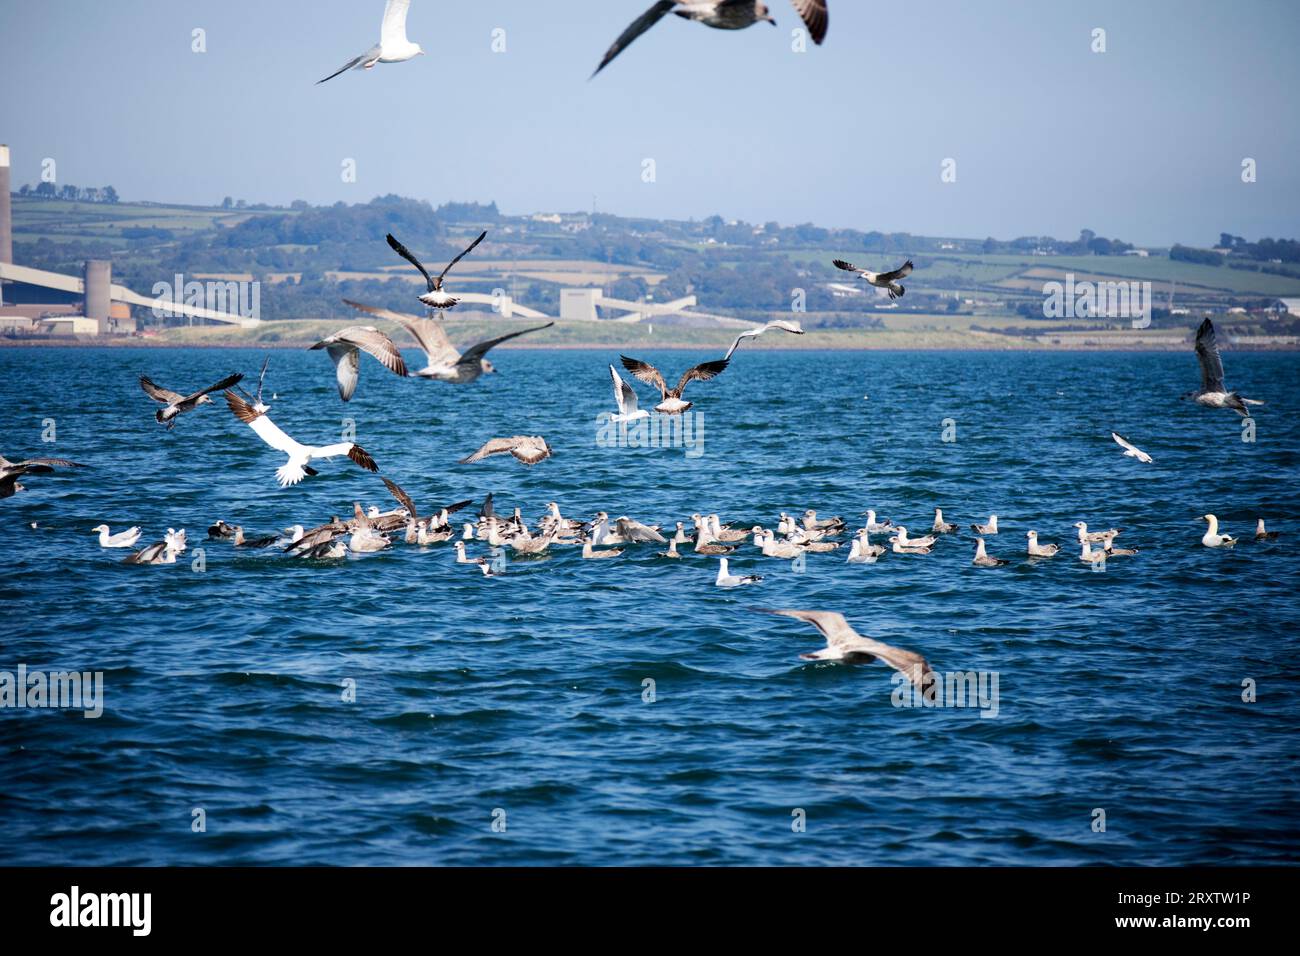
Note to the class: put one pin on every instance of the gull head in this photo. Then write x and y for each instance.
(204, 400)
(99, 528)
(763, 13)
(487, 366)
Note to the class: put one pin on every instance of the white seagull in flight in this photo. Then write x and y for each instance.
(1130, 450)
(881, 280)
(785, 325)
(393, 46)
(435, 298)
(300, 456)
(845, 644)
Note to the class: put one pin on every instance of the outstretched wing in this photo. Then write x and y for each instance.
(495, 446)
(353, 63)
(159, 394)
(846, 266)
(646, 373)
(902, 271)
(40, 466)
(639, 26)
(815, 17)
(468, 249)
(405, 253)
(393, 29)
(428, 334)
(476, 352)
(228, 382)
(1207, 352)
(842, 637)
(702, 372)
(402, 497)
(266, 429)
(624, 394)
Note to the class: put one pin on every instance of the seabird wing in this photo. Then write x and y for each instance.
(429, 335)
(228, 382)
(405, 253)
(40, 466)
(624, 394)
(495, 446)
(646, 373)
(402, 497)
(1207, 352)
(815, 17)
(347, 367)
(393, 29)
(702, 372)
(530, 452)
(475, 353)
(375, 343)
(747, 334)
(1129, 446)
(164, 395)
(846, 266)
(353, 451)
(468, 250)
(900, 273)
(353, 63)
(266, 429)
(841, 636)
(639, 26)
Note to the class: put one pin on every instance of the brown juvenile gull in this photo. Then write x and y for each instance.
(11, 471)
(1263, 534)
(881, 280)
(672, 403)
(300, 456)
(443, 362)
(393, 46)
(176, 403)
(530, 449)
(345, 350)
(721, 15)
(435, 298)
(845, 644)
(1212, 393)
(983, 559)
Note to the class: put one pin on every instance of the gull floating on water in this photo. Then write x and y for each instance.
(721, 15)
(1089, 556)
(940, 526)
(443, 362)
(530, 449)
(300, 456)
(726, 579)
(1212, 393)
(881, 280)
(393, 46)
(847, 645)
(1094, 536)
(672, 403)
(785, 325)
(875, 526)
(436, 297)
(862, 551)
(986, 529)
(985, 560)
(588, 553)
(345, 348)
(1130, 450)
(176, 403)
(1262, 534)
(1037, 550)
(1212, 537)
(11, 471)
(123, 539)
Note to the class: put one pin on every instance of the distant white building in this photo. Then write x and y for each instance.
(1140, 253)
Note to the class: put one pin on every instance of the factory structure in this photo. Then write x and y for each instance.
(37, 302)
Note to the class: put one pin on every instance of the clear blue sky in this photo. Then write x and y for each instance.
(1143, 142)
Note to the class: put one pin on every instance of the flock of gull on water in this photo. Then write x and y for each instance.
(600, 537)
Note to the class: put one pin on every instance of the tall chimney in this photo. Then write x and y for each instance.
(6, 215)
(99, 279)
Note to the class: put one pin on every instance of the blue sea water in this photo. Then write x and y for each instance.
(520, 700)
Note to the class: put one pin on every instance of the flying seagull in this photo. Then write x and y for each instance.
(11, 471)
(1211, 393)
(345, 350)
(721, 15)
(177, 403)
(881, 280)
(528, 449)
(672, 403)
(845, 644)
(442, 361)
(783, 324)
(435, 298)
(300, 456)
(629, 409)
(393, 46)
(1130, 450)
